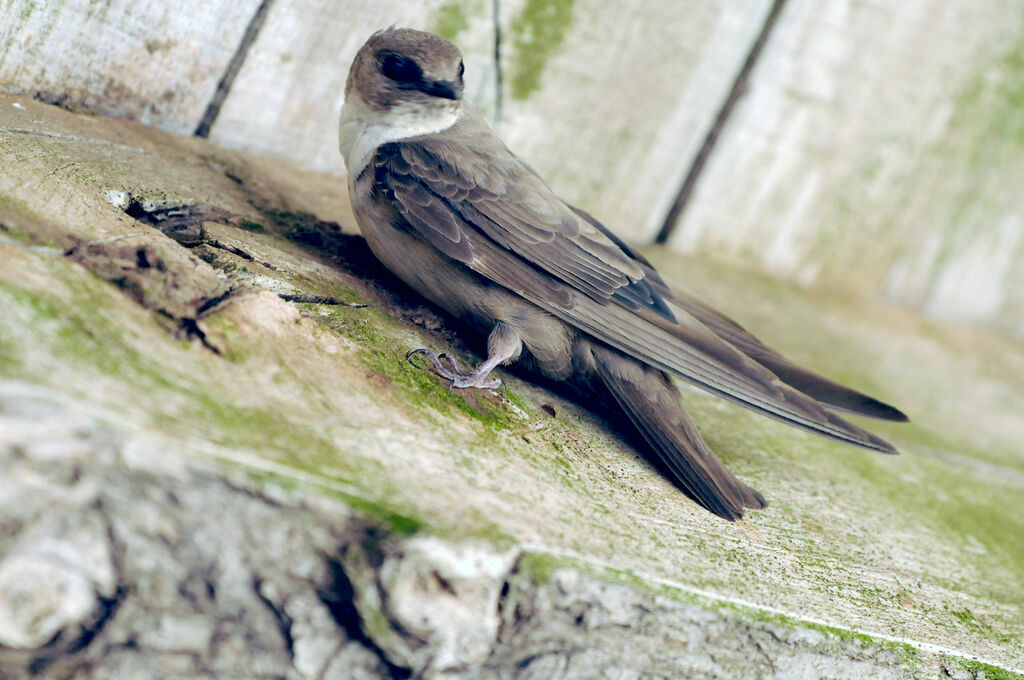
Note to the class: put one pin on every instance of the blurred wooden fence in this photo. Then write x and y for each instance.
(873, 145)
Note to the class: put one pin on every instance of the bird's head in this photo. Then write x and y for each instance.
(404, 73)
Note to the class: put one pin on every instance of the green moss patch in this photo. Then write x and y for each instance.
(537, 32)
(451, 19)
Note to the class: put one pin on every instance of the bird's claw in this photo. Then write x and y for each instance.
(444, 366)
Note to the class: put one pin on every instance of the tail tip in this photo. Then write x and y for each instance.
(883, 411)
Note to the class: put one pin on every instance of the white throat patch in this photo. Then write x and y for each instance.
(361, 130)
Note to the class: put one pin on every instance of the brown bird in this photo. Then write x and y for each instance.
(451, 211)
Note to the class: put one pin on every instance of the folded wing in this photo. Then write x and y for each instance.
(511, 228)
(810, 383)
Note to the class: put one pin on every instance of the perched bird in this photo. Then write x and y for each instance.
(451, 211)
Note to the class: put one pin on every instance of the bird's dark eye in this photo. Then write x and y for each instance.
(462, 68)
(400, 69)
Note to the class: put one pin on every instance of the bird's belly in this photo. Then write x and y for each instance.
(445, 283)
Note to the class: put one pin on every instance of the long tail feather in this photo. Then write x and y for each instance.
(653, 404)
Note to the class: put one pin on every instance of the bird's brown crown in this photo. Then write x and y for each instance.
(402, 65)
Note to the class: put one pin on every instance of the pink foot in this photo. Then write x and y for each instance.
(445, 367)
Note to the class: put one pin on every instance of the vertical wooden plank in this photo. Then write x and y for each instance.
(287, 97)
(608, 105)
(611, 105)
(881, 146)
(149, 60)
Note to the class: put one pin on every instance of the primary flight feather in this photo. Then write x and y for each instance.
(450, 210)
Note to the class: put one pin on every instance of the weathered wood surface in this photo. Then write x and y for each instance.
(608, 105)
(188, 349)
(880, 146)
(614, 114)
(149, 60)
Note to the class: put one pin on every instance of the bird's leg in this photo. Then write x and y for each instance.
(503, 345)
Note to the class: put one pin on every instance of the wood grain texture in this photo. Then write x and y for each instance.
(151, 61)
(880, 148)
(925, 546)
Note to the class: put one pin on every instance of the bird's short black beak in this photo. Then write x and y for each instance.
(442, 88)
